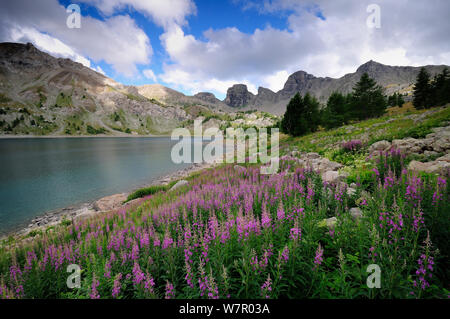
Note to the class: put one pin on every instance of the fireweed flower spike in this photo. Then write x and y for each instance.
(117, 286)
(318, 258)
(170, 292)
(266, 288)
(94, 294)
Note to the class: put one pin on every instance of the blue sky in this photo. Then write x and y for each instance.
(209, 45)
(211, 14)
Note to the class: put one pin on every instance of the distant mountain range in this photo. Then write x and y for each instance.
(392, 78)
(40, 94)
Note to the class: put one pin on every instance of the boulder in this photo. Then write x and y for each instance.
(409, 145)
(312, 155)
(179, 184)
(356, 213)
(331, 222)
(445, 158)
(326, 165)
(330, 176)
(85, 213)
(343, 175)
(437, 167)
(351, 191)
(109, 203)
(441, 144)
(442, 131)
(379, 146)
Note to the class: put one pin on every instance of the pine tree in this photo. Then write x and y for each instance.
(400, 100)
(395, 99)
(335, 113)
(292, 117)
(368, 99)
(422, 90)
(311, 115)
(392, 100)
(440, 88)
(301, 116)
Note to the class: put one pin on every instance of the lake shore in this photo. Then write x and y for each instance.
(11, 136)
(101, 205)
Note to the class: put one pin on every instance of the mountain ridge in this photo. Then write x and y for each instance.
(30, 76)
(392, 78)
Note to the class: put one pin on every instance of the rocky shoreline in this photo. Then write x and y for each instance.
(102, 205)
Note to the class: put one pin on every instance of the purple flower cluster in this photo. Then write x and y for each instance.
(266, 288)
(94, 293)
(352, 145)
(424, 271)
(170, 291)
(224, 214)
(318, 258)
(116, 286)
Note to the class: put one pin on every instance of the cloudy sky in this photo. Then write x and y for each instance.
(208, 45)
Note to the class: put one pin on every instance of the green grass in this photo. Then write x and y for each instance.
(94, 131)
(327, 143)
(63, 100)
(4, 98)
(151, 190)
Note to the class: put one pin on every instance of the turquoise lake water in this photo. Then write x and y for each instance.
(38, 175)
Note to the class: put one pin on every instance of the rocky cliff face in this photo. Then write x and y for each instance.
(238, 95)
(207, 97)
(392, 78)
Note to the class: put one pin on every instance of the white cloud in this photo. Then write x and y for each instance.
(149, 74)
(99, 70)
(412, 33)
(48, 44)
(194, 83)
(163, 12)
(276, 81)
(117, 41)
(229, 56)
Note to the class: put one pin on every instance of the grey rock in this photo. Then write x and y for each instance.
(312, 155)
(109, 203)
(438, 167)
(331, 222)
(207, 97)
(356, 213)
(379, 146)
(238, 95)
(330, 176)
(445, 158)
(179, 184)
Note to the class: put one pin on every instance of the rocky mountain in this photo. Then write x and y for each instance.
(41, 94)
(392, 78)
(44, 95)
(238, 95)
(171, 97)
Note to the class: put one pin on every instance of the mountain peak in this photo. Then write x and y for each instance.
(369, 66)
(238, 95)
